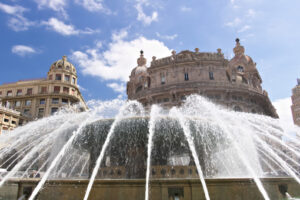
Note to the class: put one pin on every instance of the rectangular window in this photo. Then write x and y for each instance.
(6, 120)
(26, 111)
(0, 93)
(50, 77)
(66, 90)
(58, 77)
(29, 91)
(166, 99)
(9, 93)
(55, 100)
(41, 112)
(27, 102)
(56, 89)
(43, 90)
(163, 79)
(53, 110)
(14, 122)
(64, 101)
(73, 91)
(67, 78)
(186, 76)
(18, 103)
(42, 101)
(211, 75)
(19, 92)
(73, 80)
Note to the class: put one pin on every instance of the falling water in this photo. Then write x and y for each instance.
(153, 117)
(187, 133)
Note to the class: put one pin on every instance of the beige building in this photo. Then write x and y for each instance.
(235, 83)
(9, 119)
(296, 103)
(42, 97)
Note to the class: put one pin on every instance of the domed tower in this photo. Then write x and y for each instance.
(139, 78)
(242, 69)
(63, 70)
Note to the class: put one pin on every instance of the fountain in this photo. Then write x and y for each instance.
(118, 150)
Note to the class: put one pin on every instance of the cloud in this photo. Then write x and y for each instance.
(185, 9)
(244, 28)
(166, 37)
(93, 5)
(23, 50)
(283, 107)
(117, 62)
(147, 20)
(237, 21)
(251, 13)
(117, 87)
(17, 21)
(56, 5)
(65, 29)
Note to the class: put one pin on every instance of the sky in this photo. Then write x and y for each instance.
(102, 38)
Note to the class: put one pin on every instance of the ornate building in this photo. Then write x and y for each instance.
(296, 103)
(9, 119)
(233, 83)
(42, 97)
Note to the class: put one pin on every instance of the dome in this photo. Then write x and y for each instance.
(63, 64)
(140, 70)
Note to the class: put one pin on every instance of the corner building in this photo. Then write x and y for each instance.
(234, 83)
(42, 97)
(296, 103)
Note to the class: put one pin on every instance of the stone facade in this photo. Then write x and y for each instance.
(296, 103)
(9, 119)
(234, 83)
(42, 97)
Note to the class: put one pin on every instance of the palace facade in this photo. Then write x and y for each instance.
(296, 103)
(234, 83)
(42, 97)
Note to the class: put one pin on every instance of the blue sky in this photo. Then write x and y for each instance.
(102, 38)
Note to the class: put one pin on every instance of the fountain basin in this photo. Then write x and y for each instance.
(161, 189)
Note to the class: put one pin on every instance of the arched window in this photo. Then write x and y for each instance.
(138, 89)
(237, 109)
(240, 69)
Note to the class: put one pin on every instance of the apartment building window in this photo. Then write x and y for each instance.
(29, 91)
(67, 78)
(66, 90)
(9, 93)
(73, 91)
(18, 103)
(56, 89)
(55, 100)
(73, 80)
(0, 93)
(43, 90)
(19, 92)
(42, 101)
(6, 120)
(211, 75)
(58, 77)
(26, 111)
(40, 112)
(50, 77)
(27, 102)
(163, 79)
(14, 122)
(53, 110)
(64, 101)
(186, 76)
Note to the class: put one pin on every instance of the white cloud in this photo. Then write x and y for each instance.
(23, 50)
(17, 22)
(117, 62)
(251, 13)
(283, 108)
(65, 29)
(237, 21)
(147, 20)
(81, 88)
(117, 87)
(185, 9)
(93, 5)
(244, 28)
(56, 5)
(166, 37)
